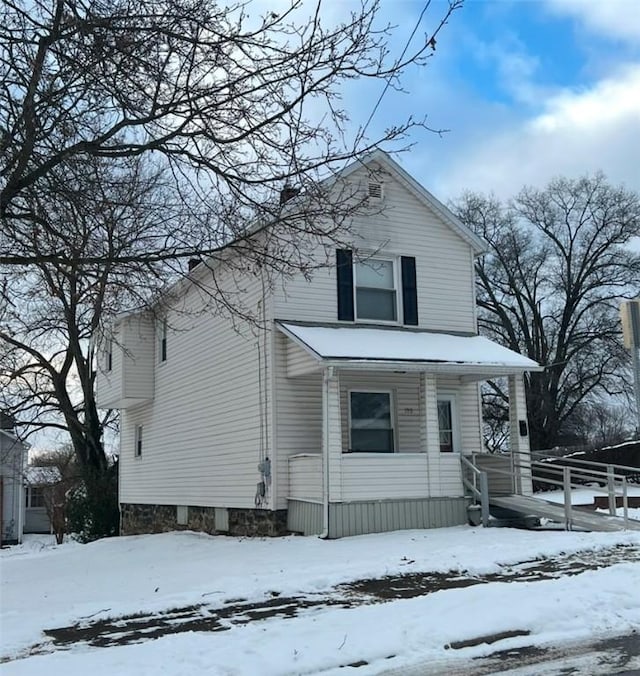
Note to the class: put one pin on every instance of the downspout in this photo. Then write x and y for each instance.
(326, 375)
(21, 503)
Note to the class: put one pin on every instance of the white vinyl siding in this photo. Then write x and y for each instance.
(130, 382)
(382, 476)
(202, 432)
(305, 476)
(12, 463)
(298, 411)
(404, 226)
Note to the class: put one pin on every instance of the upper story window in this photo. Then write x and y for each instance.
(377, 289)
(376, 296)
(109, 355)
(162, 340)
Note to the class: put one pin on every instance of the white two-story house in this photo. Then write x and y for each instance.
(347, 414)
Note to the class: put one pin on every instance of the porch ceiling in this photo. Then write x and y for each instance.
(356, 347)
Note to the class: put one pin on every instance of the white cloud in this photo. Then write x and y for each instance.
(615, 18)
(577, 132)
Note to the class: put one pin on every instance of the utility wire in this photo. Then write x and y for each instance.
(398, 61)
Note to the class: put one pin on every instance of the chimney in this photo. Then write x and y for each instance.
(6, 421)
(287, 193)
(193, 262)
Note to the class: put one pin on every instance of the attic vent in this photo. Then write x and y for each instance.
(375, 190)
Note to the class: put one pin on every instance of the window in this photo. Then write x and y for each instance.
(138, 441)
(371, 422)
(447, 425)
(109, 355)
(35, 496)
(162, 340)
(370, 289)
(375, 290)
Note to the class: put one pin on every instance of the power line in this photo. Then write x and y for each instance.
(398, 61)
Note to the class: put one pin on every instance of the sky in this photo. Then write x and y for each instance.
(527, 89)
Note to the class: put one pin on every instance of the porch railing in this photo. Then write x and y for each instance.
(609, 479)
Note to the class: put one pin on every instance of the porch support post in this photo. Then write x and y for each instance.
(331, 442)
(430, 436)
(519, 435)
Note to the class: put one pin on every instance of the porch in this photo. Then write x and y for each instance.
(391, 434)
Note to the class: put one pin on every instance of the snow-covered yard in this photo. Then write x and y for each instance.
(50, 587)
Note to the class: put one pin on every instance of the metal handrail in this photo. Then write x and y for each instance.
(546, 456)
(614, 482)
(482, 493)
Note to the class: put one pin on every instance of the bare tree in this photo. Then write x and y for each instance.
(54, 309)
(63, 476)
(550, 288)
(600, 423)
(136, 135)
(234, 107)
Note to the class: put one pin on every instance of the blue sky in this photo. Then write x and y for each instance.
(528, 89)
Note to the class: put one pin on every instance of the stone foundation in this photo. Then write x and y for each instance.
(138, 519)
(260, 522)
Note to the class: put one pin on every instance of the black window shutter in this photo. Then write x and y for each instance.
(344, 262)
(409, 291)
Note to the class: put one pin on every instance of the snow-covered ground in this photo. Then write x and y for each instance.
(585, 497)
(45, 587)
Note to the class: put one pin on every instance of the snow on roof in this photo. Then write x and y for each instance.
(401, 345)
(36, 476)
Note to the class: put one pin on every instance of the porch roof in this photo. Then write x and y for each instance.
(358, 347)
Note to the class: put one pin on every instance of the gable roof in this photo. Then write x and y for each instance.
(14, 439)
(478, 245)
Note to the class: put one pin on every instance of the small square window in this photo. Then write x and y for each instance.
(375, 290)
(35, 496)
(138, 440)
